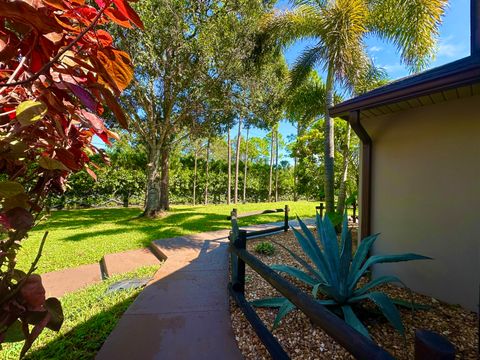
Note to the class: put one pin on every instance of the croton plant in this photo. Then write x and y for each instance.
(59, 69)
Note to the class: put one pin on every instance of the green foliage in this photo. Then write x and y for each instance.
(90, 316)
(265, 248)
(336, 273)
(105, 231)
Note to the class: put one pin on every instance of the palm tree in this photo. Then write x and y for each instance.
(304, 105)
(339, 28)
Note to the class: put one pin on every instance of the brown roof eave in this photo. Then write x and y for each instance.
(458, 73)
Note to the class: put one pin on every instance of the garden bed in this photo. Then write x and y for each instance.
(303, 340)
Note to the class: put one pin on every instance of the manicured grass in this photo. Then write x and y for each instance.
(79, 237)
(90, 316)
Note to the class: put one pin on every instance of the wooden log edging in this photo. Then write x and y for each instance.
(270, 342)
(355, 343)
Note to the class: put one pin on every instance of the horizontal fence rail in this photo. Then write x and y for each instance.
(428, 344)
(358, 345)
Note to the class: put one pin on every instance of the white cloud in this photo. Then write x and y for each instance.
(393, 67)
(375, 49)
(448, 48)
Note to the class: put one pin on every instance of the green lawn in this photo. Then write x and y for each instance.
(79, 237)
(90, 316)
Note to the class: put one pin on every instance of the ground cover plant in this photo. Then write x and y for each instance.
(265, 248)
(334, 273)
(303, 340)
(90, 316)
(59, 70)
(83, 236)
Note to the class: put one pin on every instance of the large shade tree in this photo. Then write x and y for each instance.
(339, 29)
(187, 62)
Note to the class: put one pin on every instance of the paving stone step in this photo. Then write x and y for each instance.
(119, 263)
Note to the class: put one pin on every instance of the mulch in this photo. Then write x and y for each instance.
(304, 340)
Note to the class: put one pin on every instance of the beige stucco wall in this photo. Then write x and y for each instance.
(426, 196)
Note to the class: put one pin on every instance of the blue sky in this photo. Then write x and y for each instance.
(453, 44)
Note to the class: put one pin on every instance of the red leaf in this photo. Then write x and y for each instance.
(4, 221)
(68, 159)
(84, 96)
(57, 4)
(35, 18)
(100, 3)
(94, 120)
(115, 108)
(128, 12)
(33, 292)
(117, 17)
(36, 63)
(100, 36)
(19, 219)
(104, 137)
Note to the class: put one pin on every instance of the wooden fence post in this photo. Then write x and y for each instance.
(238, 278)
(321, 210)
(286, 218)
(354, 212)
(433, 346)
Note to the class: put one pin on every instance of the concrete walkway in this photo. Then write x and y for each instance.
(184, 312)
(59, 283)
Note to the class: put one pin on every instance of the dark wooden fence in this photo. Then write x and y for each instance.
(354, 342)
(321, 210)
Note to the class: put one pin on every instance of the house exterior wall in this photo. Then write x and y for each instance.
(426, 197)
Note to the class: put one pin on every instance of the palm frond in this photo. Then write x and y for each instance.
(412, 25)
(283, 28)
(304, 65)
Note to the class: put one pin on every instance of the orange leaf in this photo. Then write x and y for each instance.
(91, 173)
(117, 17)
(128, 12)
(57, 4)
(118, 66)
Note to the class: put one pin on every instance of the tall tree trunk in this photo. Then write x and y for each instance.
(329, 147)
(164, 181)
(342, 193)
(295, 196)
(270, 180)
(152, 197)
(245, 168)
(229, 165)
(237, 161)
(276, 165)
(194, 197)
(206, 172)
(295, 160)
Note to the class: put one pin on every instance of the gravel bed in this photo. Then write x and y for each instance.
(303, 340)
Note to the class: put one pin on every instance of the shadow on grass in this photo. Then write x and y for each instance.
(178, 222)
(84, 340)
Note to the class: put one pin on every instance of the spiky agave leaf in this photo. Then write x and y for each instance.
(352, 320)
(296, 273)
(269, 302)
(410, 304)
(312, 250)
(303, 263)
(361, 254)
(379, 259)
(386, 306)
(376, 282)
(345, 255)
(284, 305)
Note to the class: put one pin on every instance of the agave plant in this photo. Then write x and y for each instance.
(335, 273)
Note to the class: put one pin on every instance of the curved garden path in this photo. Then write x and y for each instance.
(183, 313)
